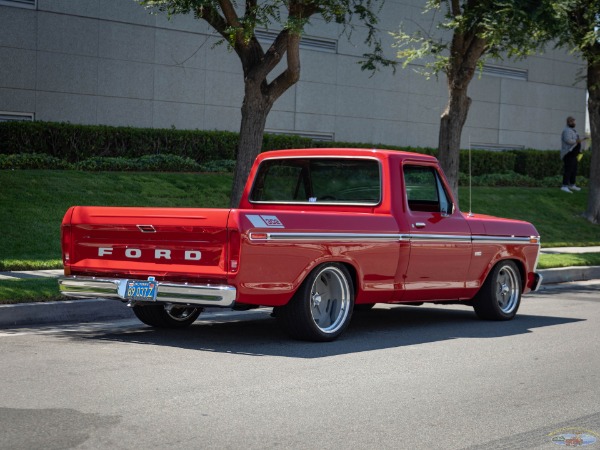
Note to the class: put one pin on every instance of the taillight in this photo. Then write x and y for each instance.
(66, 239)
(234, 251)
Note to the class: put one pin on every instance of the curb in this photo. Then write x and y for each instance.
(569, 274)
(88, 310)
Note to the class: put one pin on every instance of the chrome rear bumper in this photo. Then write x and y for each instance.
(168, 292)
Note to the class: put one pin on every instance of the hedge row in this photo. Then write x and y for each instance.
(76, 144)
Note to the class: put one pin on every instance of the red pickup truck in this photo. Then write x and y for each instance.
(318, 234)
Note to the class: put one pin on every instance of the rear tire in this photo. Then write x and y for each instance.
(500, 296)
(167, 316)
(322, 307)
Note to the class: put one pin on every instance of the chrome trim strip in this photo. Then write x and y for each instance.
(440, 237)
(305, 236)
(326, 236)
(168, 292)
(319, 203)
(503, 239)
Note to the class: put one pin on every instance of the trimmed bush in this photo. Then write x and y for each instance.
(147, 163)
(89, 145)
(222, 165)
(543, 163)
(76, 143)
(32, 161)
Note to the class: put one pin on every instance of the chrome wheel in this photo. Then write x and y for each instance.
(508, 290)
(330, 299)
(322, 306)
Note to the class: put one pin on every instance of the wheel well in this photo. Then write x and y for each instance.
(353, 275)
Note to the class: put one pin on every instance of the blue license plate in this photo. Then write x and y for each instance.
(141, 291)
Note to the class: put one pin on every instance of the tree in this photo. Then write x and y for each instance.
(236, 24)
(577, 26)
(480, 29)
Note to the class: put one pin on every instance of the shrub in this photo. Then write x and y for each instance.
(147, 163)
(221, 165)
(76, 143)
(87, 145)
(32, 161)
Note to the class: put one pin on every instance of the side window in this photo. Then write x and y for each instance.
(425, 191)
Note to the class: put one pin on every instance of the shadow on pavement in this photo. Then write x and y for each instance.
(257, 334)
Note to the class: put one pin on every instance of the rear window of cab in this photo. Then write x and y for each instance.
(318, 180)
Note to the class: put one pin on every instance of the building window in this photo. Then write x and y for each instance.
(505, 72)
(6, 116)
(307, 43)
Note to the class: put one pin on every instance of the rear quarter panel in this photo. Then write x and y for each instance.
(280, 248)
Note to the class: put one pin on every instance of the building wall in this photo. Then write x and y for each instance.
(111, 62)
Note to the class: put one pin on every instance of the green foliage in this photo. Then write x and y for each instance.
(75, 143)
(236, 24)
(283, 141)
(221, 165)
(509, 28)
(168, 150)
(539, 164)
(32, 161)
(146, 163)
(568, 260)
(486, 162)
(29, 291)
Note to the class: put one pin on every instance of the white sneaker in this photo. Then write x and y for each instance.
(574, 188)
(566, 189)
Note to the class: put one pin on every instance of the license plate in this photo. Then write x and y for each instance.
(141, 291)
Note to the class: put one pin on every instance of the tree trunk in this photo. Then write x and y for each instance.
(255, 110)
(593, 81)
(259, 97)
(466, 50)
(451, 125)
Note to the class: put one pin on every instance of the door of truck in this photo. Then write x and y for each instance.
(440, 238)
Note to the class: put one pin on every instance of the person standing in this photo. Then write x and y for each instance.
(570, 149)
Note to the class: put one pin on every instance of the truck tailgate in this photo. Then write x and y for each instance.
(162, 242)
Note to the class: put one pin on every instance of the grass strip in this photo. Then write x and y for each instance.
(568, 260)
(29, 290)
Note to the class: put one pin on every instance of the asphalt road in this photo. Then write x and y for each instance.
(401, 377)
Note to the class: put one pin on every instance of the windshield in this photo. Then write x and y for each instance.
(318, 180)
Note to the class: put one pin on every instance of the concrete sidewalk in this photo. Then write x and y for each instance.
(91, 310)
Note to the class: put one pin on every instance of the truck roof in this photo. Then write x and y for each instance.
(355, 152)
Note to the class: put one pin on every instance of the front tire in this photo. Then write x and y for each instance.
(500, 296)
(322, 308)
(167, 316)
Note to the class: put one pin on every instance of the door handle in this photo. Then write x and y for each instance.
(420, 224)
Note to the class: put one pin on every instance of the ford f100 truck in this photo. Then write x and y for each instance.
(318, 234)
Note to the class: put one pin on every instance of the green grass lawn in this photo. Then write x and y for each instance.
(29, 291)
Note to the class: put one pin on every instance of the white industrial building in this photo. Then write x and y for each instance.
(110, 62)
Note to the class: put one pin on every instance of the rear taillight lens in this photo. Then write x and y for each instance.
(234, 251)
(66, 239)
